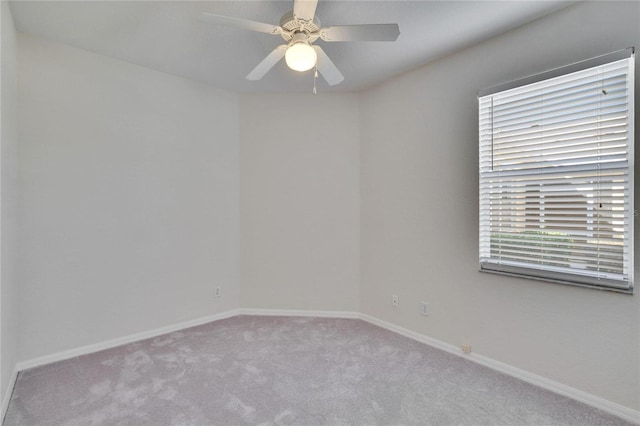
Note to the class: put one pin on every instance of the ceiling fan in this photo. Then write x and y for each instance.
(300, 28)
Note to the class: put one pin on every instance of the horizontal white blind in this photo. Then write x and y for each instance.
(556, 178)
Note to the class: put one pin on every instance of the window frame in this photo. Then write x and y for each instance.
(545, 272)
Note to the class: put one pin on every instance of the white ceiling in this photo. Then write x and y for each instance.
(167, 35)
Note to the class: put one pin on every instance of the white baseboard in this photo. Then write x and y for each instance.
(299, 313)
(621, 411)
(112, 343)
(7, 395)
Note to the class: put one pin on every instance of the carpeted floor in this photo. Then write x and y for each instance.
(280, 371)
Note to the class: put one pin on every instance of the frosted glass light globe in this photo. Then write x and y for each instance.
(300, 57)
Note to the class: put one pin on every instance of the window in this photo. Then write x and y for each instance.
(556, 175)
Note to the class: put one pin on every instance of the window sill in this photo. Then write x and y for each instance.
(628, 291)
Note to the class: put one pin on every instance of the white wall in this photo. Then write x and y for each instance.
(300, 201)
(130, 196)
(9, 197)
(419, 177)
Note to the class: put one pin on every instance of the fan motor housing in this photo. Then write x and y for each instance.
(292, 25)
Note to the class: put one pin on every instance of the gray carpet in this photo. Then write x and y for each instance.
(279, 371)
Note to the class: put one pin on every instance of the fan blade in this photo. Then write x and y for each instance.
(244, 24)
(267, 63)
(327, 68)
(304, 9)
(370, 32)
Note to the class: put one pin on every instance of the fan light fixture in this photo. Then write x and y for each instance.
(300, 56)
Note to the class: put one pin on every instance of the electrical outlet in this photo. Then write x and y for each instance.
(424, 309)
(216, 292)
(395, 301)
(466, 348)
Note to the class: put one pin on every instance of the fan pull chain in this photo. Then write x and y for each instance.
(315, 78)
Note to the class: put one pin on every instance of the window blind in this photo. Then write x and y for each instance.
(556, 178)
